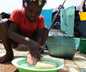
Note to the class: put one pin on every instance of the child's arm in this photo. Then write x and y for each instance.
(33, 46)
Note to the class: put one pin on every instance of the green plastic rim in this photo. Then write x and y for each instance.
(15, 63)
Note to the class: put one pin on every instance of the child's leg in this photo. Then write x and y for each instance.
(6, 42)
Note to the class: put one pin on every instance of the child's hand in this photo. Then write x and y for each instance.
(31, 60)
(34, 51)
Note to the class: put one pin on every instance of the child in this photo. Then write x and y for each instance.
(27, 27)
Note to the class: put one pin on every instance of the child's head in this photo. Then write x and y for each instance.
(33, 8)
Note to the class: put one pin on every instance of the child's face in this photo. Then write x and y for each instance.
(32, 10)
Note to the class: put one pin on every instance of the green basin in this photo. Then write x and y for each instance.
(23, 66)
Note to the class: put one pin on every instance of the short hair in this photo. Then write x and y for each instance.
(4, 15)
(39, 2)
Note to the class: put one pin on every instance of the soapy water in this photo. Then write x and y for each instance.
(45, 63)
(42, 62)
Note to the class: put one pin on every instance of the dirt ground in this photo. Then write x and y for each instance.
(76, 65)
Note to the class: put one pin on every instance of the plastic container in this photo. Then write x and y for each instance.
(82, 16)
(82, 45)
(61, 46)
(23, 66)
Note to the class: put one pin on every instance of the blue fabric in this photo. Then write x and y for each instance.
(47, 13)
(67, 20)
